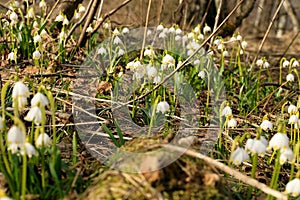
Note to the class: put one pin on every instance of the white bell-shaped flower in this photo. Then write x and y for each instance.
(35, 115)
(293, 119)
(286, 63)
(15, 139)
(266, 124)
(285, 155)
(201, 74)
(293, 187)
(43, 139)
(36, 55)
(29, 150)
(292, 109)
(290, 78)
(232, 123)
(163, 107)
(279, 141)
(226, 111)
(206, 29)
(39, 98)
(239, 156)
(168, 60)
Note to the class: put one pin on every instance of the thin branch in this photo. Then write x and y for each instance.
(87, 22)
(79, 22)
(51, 11)
(266, 34)
(110, 13)
(288, 47)
(205, 14)
(236, 174)
(217, 20)
(145, 31)
(100, 9)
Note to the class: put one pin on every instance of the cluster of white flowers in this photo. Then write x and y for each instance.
(262, 62)
(167, 61)
(138, 69)
(257, 146)
(79, 12)
(16, 136)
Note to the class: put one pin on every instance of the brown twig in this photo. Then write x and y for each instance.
(145, 30)
(236, 174)
(52, 9)
(266, 34)
(87, 22)
(288, 47)
(205, 14)
(110, 13)
(80, 21)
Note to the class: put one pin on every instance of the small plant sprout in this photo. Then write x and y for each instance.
(1, 124)
(162, 107)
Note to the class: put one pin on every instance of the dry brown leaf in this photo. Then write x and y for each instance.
(104, 87)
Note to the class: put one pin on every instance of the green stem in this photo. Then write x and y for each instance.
(24, 176)
(253, 171)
